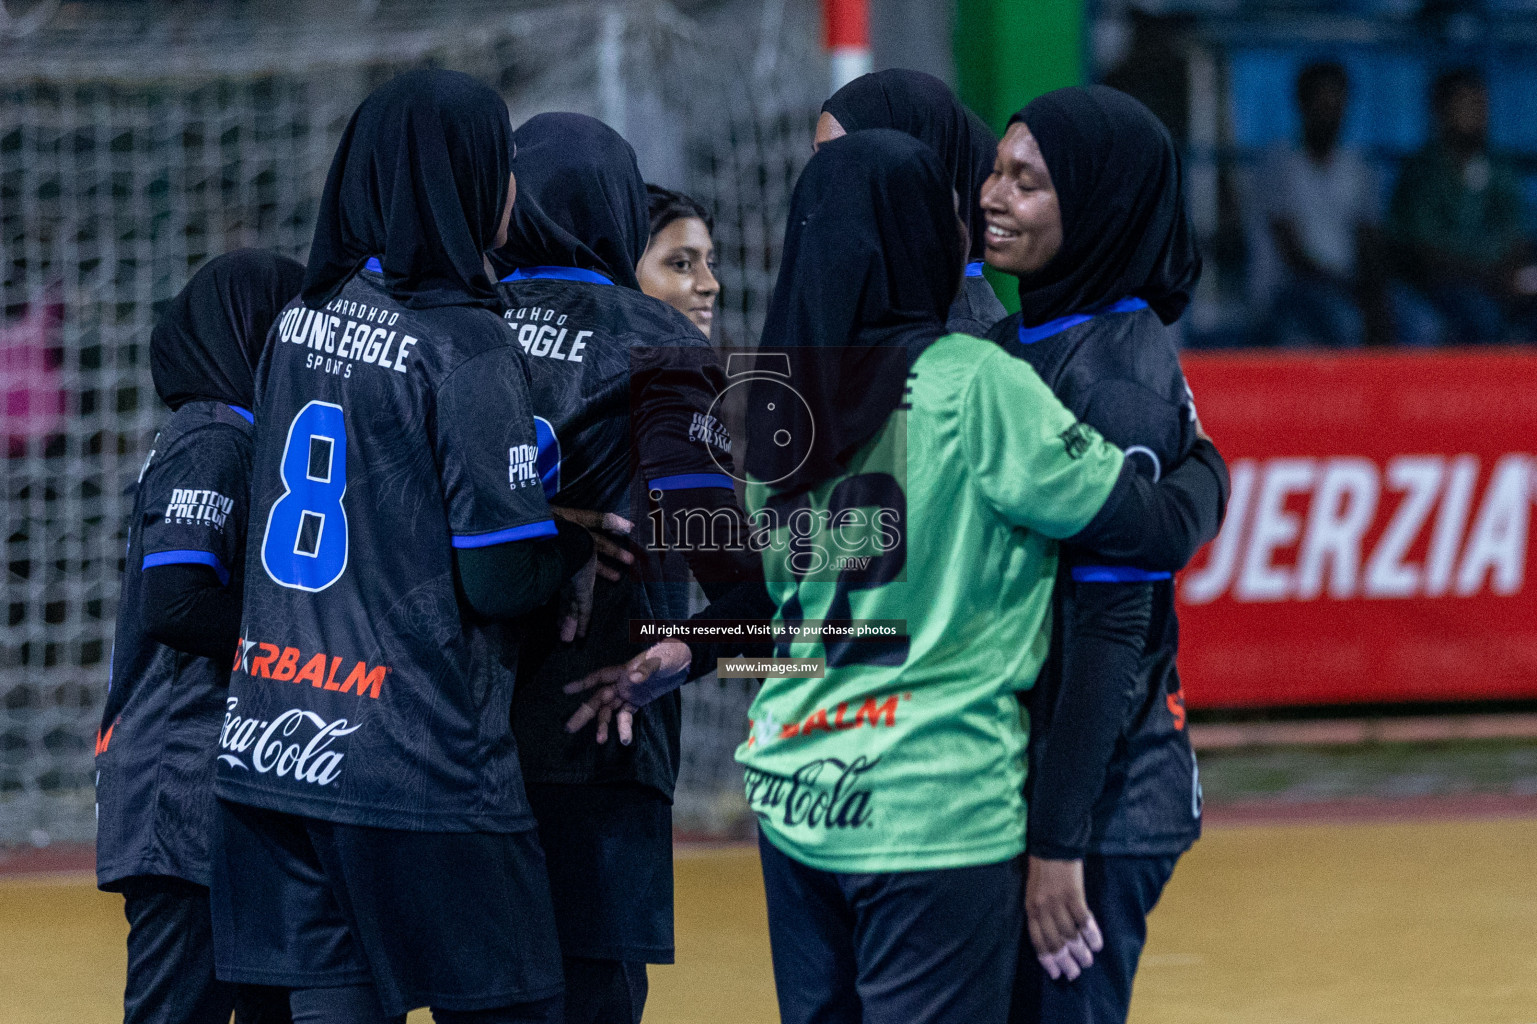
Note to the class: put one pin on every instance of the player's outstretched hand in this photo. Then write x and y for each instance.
(604, 527)
(623, 689)
(1062, 928)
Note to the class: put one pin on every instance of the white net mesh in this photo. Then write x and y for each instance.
(137, 141)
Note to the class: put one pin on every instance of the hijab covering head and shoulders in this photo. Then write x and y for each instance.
(204, 350)
(1125, 230)
(872, 259)
(922, 106)
(208, 342)
(419, 181)
(1125, 236)
(582, 205)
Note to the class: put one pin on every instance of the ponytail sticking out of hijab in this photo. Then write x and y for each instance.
(419, 180)
(207, 343)
(1120, 188)
(581, 200)
(922, 106)
(872, 259)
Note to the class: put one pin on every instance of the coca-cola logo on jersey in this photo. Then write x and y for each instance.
(295, 743)
(1348, 527)
(825, 793)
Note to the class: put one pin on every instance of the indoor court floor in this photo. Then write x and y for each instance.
(1417, 922)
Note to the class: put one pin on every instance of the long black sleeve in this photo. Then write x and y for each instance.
(708, 527)
(189, 610)
(504, 581)
(1160, 526)
(1104, 636)
(747, 600)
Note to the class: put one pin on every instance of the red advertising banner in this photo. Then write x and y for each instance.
(1376, 543)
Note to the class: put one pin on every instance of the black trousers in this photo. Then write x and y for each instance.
(912, 947)
(605, 991)
(1121, 891)
(170, 961)
(460, 922)
(608, 850)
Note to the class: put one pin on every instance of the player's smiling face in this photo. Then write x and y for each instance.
(1024, 222)
(679, 269)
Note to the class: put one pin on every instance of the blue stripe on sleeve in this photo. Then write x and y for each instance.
(543, 528)
(1115, 574)
(243, 413)
(974, 269)
(684, 481)
(187, 556)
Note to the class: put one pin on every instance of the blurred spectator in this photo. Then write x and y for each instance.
(1155, 68)
(1159, 68)
(1456, 216)
(1319, 204)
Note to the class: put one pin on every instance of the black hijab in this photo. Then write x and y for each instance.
(419, 180)
(207, 343)
(871, 263)
(1125, 230)
(922, 106)
(581, 200)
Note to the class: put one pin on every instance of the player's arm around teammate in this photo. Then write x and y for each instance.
(888, 791)
(178, 620)
(1086, 208)
(377, 851)
(916, 104)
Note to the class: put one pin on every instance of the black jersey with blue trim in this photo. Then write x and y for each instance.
(155, 747)
(366, 691)
(623, 385)
(1119, 371)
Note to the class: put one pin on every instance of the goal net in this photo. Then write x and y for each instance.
(139, 140)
